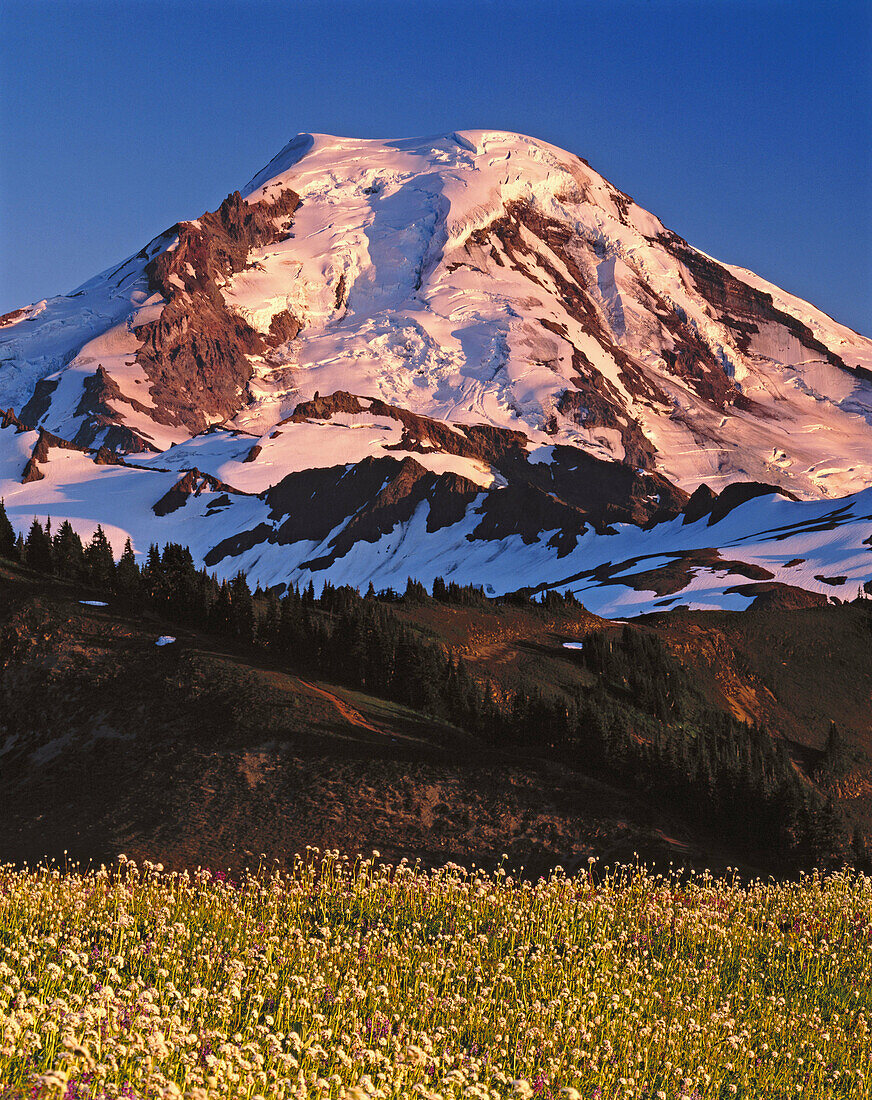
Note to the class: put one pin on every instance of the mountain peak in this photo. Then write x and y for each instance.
(479, 287)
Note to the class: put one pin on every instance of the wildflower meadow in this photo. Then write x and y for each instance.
(355, 979)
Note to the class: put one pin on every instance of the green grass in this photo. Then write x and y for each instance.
(355, 980)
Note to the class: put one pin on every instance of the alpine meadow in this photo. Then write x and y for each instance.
(435, 590)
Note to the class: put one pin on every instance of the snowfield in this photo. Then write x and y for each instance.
(820, 546)
(477, 278)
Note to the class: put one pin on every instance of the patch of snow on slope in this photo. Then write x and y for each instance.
(806, 543)
(341, 441)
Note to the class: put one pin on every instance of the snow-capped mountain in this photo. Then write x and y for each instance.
(467, 355)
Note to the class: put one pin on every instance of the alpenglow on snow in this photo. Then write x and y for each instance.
(468, 356)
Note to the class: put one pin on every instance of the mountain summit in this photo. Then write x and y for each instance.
(468, 355)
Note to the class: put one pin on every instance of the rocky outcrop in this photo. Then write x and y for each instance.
(373, 496)
(590, 406)
(323, 408)
(46, 440)
(8, 419)
(742, 307)
(97, 392)
(105, 456)
(517, 232)
(602, 492)
(284, 326)
(700, 504)
(362, 502)
(705, 502)
(593, 402)
(650, 573)
(479, 442)
(739, 493)
(192, 483)
(525, 510)
(607, 492)
(31, 472)
(102, 417)
(775, 596)
(571, 493)
(195, 353)
(40, 401)
(13, 317)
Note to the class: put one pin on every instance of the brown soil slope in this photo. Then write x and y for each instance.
(196, 753)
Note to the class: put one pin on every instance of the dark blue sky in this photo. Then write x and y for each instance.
(744, 125)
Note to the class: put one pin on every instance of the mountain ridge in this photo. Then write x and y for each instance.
(471, 283)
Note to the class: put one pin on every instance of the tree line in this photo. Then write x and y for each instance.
(641, 722)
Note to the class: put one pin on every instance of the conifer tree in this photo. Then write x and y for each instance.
(69, 556)
(7, 534)
(99, 561)
(834, 763)
(860, 852)
(415, 591)
(38, 548)
(219, 614)
(128, 581)
(241, 608)
(179, 588)
(151, 574)
(269, 627)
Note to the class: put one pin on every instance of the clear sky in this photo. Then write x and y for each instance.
(743, 124)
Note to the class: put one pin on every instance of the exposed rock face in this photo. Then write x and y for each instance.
(607, 492)
(283, 327)
(104, 456)
(771, 596)
(31, 472)
(10, 420)
(39, 454)
(372, 497)
(573, 492)
(588, 406)
(98, 393)
(664, 579)
(533, 242)
(12, 317)
(744, 308)
(322, 408)
(39, 402)
(705, 502)
(192, 483)
(700, 504)
(196, 353)
(547, 367)
(376, 494)
(479, 442)
(595, 492)
(737, 494)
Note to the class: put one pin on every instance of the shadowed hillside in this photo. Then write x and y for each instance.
(447, 727)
